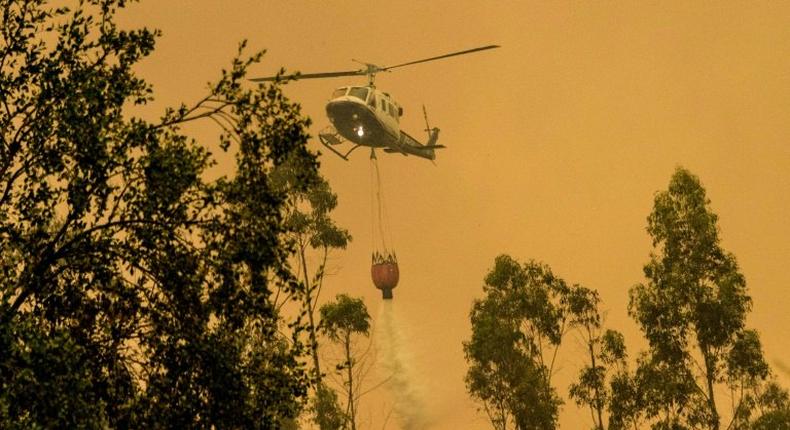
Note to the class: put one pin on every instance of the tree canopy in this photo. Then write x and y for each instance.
(692, 309)
(134, 290)
(312, 231)
(516, 330)
(341, 320)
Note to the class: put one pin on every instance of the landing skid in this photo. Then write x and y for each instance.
(329, 137)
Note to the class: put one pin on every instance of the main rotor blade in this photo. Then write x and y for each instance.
(298, 76)
(468, 51)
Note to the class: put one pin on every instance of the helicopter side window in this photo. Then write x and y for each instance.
(339, 92)
(359, 92)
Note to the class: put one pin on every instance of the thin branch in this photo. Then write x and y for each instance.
(556, 350)
(386, 419)
(320, 279)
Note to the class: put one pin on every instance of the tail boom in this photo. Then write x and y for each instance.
(408, 145)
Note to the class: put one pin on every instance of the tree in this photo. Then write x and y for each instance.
(326, 409)
(627, 399)
(314, 234)
(341, 320)
(517, 329)
(606, 366)
(770, 408)
(311, 229)
(134, 291)
(692, 310)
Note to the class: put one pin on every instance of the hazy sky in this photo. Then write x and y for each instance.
(556, 143)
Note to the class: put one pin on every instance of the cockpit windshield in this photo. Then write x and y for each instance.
(359, 92)
(339, 92)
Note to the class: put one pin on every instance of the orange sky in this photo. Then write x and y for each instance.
(556, 144)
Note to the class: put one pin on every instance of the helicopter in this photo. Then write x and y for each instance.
(366, 116)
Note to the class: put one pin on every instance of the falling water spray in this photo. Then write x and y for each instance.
(397, 363)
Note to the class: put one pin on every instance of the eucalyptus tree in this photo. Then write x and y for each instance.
(603, 384)
(517, 329)
(315, 235)
(134, 290)
(342, 320)
(769, 408)
(692, 310)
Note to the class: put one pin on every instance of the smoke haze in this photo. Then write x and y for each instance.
(556, 144)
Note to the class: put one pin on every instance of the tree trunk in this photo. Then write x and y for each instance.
(709, 375)
(352, 411)
(598, 404)
(314, 346)
(309, 309)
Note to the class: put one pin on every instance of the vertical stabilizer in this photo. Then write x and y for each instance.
(433, 136)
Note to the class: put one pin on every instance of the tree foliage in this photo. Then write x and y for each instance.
(516, 331)
(134, 291)
(692, 310)
(326, 409)
(314, 234)
(600, 383)
(341, 321)
(768, 407)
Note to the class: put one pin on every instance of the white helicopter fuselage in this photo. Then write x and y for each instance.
(365, 116)
(369, 117)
